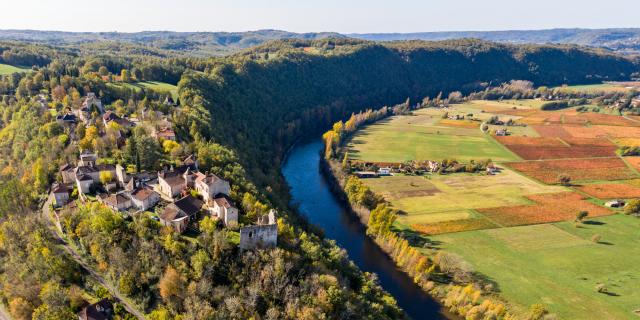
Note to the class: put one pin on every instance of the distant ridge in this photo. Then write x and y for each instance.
(618, 39)
(623, 40)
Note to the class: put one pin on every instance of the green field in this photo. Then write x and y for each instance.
(603, 87)
(9, 69)
(419, 137)
(422, 197)
(160, 87)
(558, 265)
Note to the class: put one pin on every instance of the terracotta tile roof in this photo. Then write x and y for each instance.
(142, 194)
(223, 200)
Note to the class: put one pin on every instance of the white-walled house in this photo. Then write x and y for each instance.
(144, 198)
(209, 185)
(223, 208)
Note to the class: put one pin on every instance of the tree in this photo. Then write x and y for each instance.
(633, 207)
(137, 74)
(171, 284)
(106, 177)
(103, 71)
(125, 75)
(581, 215)
(564, 180)
(148, 151)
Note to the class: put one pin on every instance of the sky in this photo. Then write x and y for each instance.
(346, 16)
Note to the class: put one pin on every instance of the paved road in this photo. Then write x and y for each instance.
(78, 258)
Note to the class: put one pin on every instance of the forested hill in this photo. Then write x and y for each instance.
(617, 39)
(262, 99)
(160, 42)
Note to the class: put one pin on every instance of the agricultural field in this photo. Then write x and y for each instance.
(519, 224)
(9, 69)
(421, 136)
(565, 263)
(579, 170)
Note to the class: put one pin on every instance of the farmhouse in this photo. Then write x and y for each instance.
(386, 171)
(263, 235)
(178, 214)
(615, 204)
(223, 208)
(366, 174)
(101, 310)
(502, 132)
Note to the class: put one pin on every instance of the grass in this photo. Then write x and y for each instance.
(419, 137)
(9, 69)
(603, 87)
(156, 86)
(558, 265)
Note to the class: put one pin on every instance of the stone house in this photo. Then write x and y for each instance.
(84, 183)
(68, 173)
(178, 214)
(208, 185)
(263, 235)
(171, 183)
(61, 194)
(87, 159)
(223, 208)
(144, 198)
(110, 116)
(117, 202)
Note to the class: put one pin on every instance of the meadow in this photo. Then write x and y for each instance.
(558, 265)
(421, 137)
(9, 69)
(160, 87)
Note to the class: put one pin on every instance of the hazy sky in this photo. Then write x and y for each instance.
(346, 16)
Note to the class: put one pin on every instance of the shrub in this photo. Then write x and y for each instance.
(596, 238)
(554, 105)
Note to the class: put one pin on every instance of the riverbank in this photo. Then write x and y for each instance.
(459, 292)
(316, 203)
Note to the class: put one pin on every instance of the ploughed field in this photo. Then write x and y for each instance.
(516, 227)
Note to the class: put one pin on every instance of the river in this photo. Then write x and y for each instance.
(310, 191)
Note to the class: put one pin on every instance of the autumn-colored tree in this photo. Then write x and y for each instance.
(171, 284)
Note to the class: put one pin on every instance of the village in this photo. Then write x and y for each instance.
(176, 196)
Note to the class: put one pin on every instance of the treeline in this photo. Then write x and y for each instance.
(341, 130)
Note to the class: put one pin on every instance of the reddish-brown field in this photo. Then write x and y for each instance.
(534, 148)
(600, 119)
(633, 161)
(603, 131)
(547, 208)
(548, 171)
(555, 131)
(611, 190)
(454, 226)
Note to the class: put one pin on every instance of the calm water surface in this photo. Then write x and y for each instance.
(311, 193)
